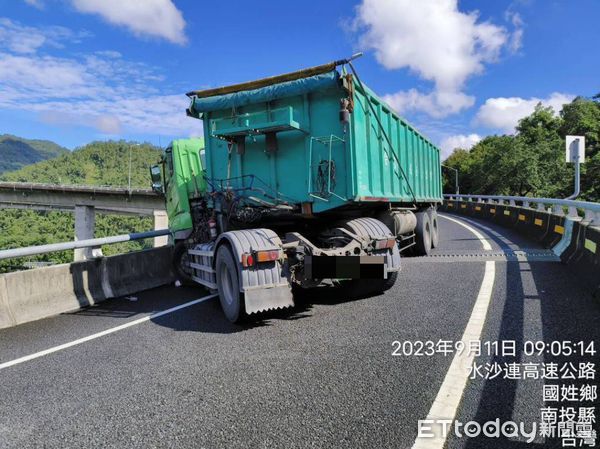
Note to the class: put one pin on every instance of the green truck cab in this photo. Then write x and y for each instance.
(181, 177)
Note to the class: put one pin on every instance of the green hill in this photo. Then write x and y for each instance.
(98, 163)
(16, 152)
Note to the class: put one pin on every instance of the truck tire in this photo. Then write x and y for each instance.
(370, 227)
(423, 234)
(181, 265)
(232, 301)
(381, 285)
(435, 232)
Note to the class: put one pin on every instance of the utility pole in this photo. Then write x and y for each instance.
(455, 178)
(129, 178)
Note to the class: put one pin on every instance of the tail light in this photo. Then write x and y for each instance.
(249, 260)
(385, 243)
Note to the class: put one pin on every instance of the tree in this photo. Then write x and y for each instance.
(98, 163)
(531, 163)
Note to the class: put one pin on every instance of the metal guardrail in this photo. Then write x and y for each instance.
(591, 210)
(89, 243)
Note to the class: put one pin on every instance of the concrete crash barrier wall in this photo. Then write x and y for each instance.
(33, 294)
(575, 241)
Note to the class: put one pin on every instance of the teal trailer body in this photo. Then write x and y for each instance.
(291, 143)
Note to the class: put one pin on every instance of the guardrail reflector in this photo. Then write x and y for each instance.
(463, 206)
(506, 212)
(521, 217)
(492, 211)
(477, 207)
(559, 229)
(538, 222)
(589, 245)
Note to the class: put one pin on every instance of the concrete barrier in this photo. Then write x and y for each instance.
(33, 294)
(575, 241)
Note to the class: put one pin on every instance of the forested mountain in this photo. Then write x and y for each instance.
(98, 163)
(532, 161)
(16, 152)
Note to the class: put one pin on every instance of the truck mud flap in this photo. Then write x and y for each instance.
(260, 299)
(345, 267)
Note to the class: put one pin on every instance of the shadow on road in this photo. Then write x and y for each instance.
(207, 316)
(542, 301)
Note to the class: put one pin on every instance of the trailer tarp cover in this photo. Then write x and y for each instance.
(264, 94)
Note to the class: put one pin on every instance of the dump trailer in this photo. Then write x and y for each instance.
(301, 180)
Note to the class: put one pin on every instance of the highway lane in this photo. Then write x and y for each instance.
(321, 375)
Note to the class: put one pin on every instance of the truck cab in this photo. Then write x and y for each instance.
(180, 176)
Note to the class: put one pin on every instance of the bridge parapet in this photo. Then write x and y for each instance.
(570, 228)
(85, 202)
(42, 292)
(590, 210)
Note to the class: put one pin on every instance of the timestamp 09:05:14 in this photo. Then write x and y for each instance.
(563, 348)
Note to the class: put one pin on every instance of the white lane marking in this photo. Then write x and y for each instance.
(479, 235)
(103, 333)
(448, 399)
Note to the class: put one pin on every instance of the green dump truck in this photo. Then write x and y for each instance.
(301, 179)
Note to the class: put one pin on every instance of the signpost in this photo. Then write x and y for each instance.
(575, 154)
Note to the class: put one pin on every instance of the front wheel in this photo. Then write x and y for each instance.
(181, 264)
(232, 301)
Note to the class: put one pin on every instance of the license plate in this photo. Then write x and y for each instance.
(345, 267)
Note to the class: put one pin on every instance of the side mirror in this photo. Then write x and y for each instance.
(156, 178)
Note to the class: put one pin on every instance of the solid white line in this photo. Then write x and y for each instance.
(103, 333)
(450, 393)
(479, 235)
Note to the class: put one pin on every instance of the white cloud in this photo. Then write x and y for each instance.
(450, 143)
(434, 40)
(504, 113)
(108, 124)
(35, 3)
(516, 39)
(21, 39)
(437, 104)
(158, 18)
(109, 54)
(103, 91)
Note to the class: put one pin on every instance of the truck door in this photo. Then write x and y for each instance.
(171, 187)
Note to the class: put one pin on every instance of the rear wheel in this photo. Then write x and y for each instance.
(435, 232)
(423, 234)
(232, 301)
(370, 227)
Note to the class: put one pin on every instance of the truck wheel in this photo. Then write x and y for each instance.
(370, 227)
(181, 264)
(357, 288)
(423, 234)
(232, 301)
(388, 283)
(435, 232)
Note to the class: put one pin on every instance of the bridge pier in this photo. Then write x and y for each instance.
(85, 222)
(161, 221)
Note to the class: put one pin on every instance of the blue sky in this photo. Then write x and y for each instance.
(74, 71)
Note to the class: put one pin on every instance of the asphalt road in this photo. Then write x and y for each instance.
(321, 375)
